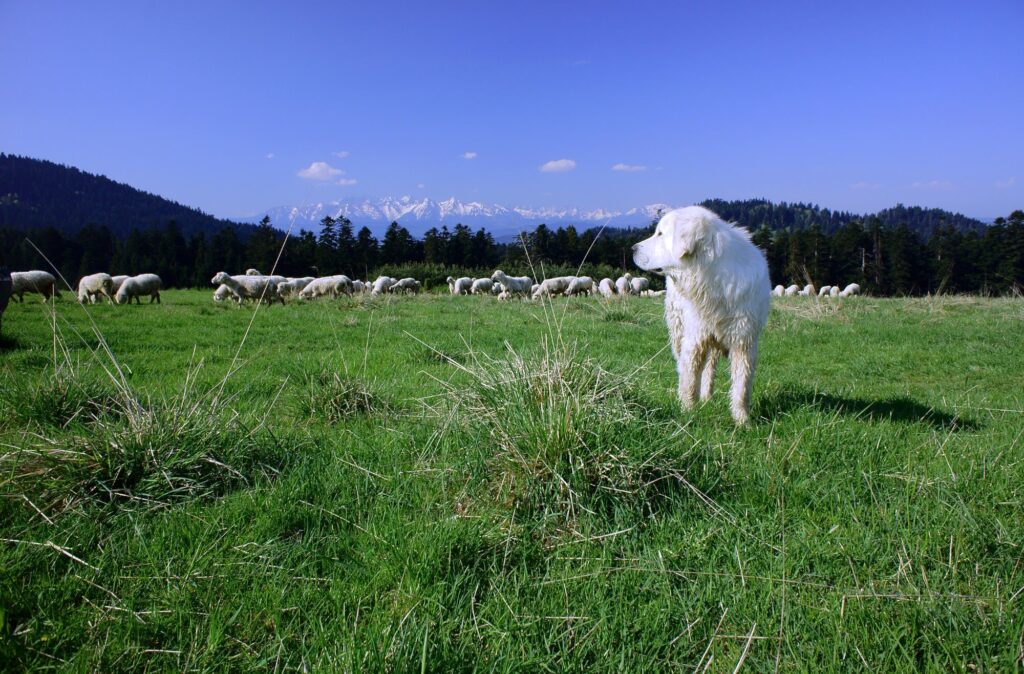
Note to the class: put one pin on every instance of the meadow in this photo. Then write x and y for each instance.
(457, 484)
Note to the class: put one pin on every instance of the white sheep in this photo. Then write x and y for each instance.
(89, 287)
(381, 284)
(824, 290)
(638, 285)
(504, 295)
(802, 293)
(809, 290)
(327, 286)
(622, 284)
(290, 288)
(358, 287)
(222, 293)
(606, 287)
(34, 281)
(497, 289)
(517, 285)
(852, 289)
(405, 285)
(534, 288)
(580, 285)
(253, 272)
(553, 286)
(481, 286)
(134, 287)
(792, 290)
(248, 287)
(116, 282)
(778, 290)
(459, 286)
(834, 291)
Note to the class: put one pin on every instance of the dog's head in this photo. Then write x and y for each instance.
(680, 234)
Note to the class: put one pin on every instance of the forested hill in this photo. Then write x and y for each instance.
(35, 193)
(757, 213)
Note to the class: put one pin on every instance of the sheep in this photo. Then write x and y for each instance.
(116, 283)
(290, 288)
(852, 289)
(580, 285)
(823, 291)
(497, 289)
(802, 293)
(834, 291)
(327, 286)
(638, 285)
(95, 284)
(381, 284)
(533, 289)
(222, 293)
(35, 281)
(459, 286)
(792, 290)
(253, 272)
(622, 284)
(553, 286)
(248, 286)
(358, 287)
(778, 290)
(809, 290)
(504, 295)
(481, 286)
(135, 287)
(405, 285)
(517, 285)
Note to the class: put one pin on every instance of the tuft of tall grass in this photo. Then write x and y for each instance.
(563, 436)
(332, 397)
(60, 398)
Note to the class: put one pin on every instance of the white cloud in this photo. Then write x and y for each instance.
(270, 155)
(420, 185)
(469, 155)
(1009, 182)
(347, 181)
(341, 154)
(864, 185)
(629, 168)
(940, 185)
(558, 166)
(320, 171)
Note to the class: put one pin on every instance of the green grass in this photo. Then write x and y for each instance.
(461, 484)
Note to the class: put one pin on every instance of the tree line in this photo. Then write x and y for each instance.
(884, 259)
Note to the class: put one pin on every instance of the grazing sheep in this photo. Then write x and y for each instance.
(823, 291)
(222, 293)
(553, 286)
(358, 287)
(497, 289)
(517, 285)
(580, 285)
(717, 300)
(291, 288)
(504, 295)
(481, 286)
(622, 284)
(778, 290)
(35, 281)
(405, 285)
(248, 287)
(638, 285)
(654, 293)
(134, 287)
(533, 289)
(327, 286)
(852, 289)
(834, 291)
(606, 287)
(792, 290)
(95, 284)
(809, 290)
(116, 282)
(253, 272)
(381, 284)
(801, 293)
(460, 286)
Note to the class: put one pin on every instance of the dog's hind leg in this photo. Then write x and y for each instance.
(742, 362)
(707, 375)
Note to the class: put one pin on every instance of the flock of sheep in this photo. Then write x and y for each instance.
(117, 289)
(809, 291)
(506, 287)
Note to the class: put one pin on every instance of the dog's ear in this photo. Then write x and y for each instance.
(688, 235)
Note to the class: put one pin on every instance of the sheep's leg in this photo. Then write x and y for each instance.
(707, 376)
(743, 363)
(691, 357)
(156, 296)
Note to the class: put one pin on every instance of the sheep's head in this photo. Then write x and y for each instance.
(219, 278)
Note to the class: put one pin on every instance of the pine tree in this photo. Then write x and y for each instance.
(327, 247)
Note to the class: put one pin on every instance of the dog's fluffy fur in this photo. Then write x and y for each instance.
(716, 303)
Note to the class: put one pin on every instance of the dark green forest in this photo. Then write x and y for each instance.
(86, 226)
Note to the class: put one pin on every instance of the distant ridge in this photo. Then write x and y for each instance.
(40, 193)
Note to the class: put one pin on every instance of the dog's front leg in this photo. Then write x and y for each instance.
(691, 359)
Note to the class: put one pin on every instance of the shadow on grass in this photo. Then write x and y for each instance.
(900, 409)
(8, 343)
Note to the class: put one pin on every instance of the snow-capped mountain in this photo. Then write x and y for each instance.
(419, 215)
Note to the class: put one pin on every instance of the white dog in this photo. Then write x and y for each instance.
(717, 300)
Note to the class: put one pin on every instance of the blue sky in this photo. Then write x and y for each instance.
(227, 106)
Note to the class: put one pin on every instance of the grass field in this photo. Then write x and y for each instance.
(443, 484)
